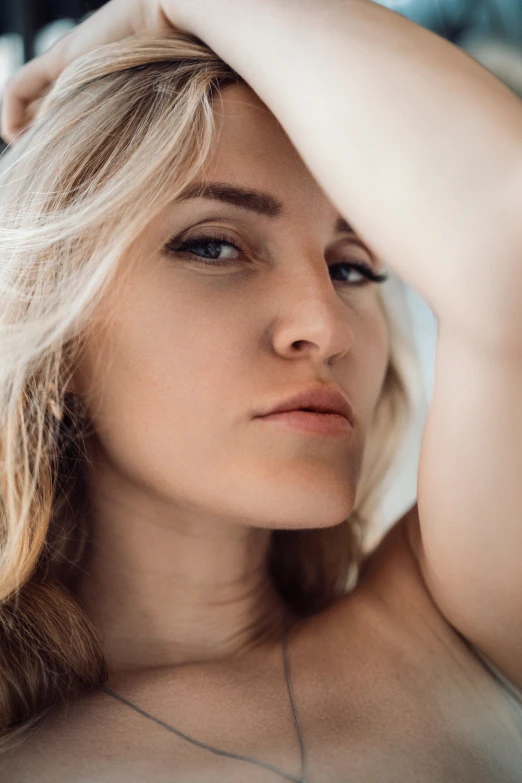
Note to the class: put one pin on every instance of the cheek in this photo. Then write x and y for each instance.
(372, 356)
(158, 380)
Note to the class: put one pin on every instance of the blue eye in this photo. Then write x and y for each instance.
(207, 244)
(213, 245)
(364, 269)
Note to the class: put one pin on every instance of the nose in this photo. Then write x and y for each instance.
(312, 320)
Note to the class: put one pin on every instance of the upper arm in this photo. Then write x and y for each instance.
(469, 543)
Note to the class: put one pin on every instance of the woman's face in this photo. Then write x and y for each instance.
(189, 353)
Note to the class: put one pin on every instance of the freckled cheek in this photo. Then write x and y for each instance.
(160, 405)
(176, 362)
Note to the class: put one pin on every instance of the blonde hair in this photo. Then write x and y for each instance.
(123, 131)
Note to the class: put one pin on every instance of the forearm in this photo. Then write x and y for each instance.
(416, 144)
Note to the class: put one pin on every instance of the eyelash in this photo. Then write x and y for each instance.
(207, 239)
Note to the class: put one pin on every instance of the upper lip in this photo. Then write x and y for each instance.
(323, 399)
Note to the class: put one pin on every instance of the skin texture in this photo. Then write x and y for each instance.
(186, 485)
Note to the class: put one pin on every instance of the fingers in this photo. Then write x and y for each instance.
(115, 20)
(27, 85)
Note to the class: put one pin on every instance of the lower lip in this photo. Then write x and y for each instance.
(314, 423)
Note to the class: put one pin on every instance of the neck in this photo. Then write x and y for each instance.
(166, 586)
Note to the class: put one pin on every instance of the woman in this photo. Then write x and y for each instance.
(173, 551)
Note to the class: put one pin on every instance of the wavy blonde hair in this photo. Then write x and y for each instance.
(123, 131)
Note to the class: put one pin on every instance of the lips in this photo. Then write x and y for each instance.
(317, 399)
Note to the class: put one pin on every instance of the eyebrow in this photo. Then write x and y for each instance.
(246, 198)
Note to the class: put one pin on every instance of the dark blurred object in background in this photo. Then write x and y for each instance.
(27, 17)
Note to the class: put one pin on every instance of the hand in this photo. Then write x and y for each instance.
(116, 20)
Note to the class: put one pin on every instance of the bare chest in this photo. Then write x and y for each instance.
(382, 688)
(383, 719)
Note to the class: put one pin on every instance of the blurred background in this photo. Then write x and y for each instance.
(489, 30)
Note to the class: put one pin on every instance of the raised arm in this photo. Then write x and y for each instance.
(420, 148)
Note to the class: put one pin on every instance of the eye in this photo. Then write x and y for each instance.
(212, 245)
(220, 250)
(363, 269)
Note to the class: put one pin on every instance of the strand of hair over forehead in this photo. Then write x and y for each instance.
(58, 247)
(192, 77)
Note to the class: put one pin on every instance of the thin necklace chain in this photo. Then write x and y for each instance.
(301, 779)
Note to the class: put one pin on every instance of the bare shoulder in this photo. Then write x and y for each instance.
(391, 585)
(396, 597)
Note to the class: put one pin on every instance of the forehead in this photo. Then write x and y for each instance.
(253, 150)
